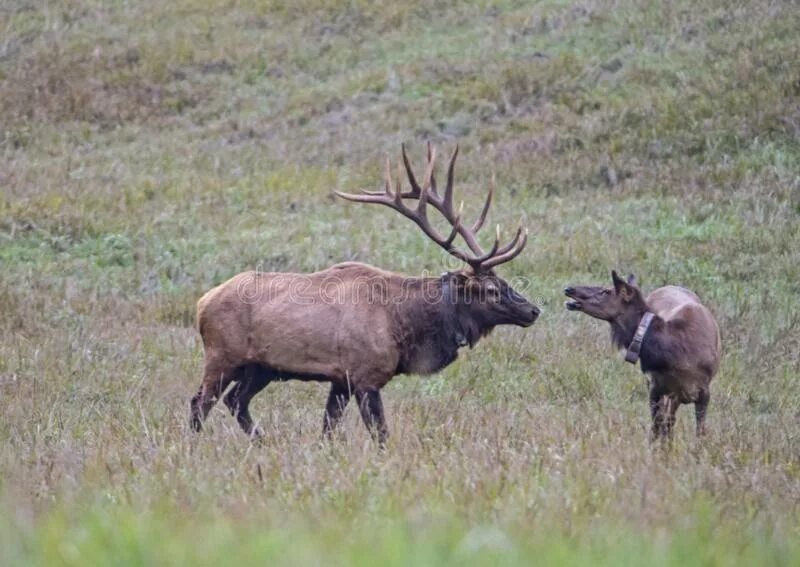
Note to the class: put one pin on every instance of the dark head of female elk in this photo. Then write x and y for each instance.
(482, 300)
(622, 305)
(607, 303)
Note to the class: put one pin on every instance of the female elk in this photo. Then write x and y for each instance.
(354, 325)
(673, 335)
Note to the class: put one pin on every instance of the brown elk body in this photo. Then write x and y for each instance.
(354, 325)
(678, 346)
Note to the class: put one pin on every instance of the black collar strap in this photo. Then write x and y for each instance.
(632, 355)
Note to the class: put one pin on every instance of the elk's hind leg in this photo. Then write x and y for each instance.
(216, 377)
(700, 409)
(371, 406)
(337, 401)
(254, 379)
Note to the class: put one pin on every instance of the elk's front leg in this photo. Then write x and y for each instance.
(663, 408)
(337, 401)
(371, 406)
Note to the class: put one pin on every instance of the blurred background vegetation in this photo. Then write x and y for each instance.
(150, 150)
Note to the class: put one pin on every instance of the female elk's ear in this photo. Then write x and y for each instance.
(618, 281)
(632, 280)
(623, 289)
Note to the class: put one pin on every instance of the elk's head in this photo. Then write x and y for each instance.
(607, 303)
(482, 299)
(489, 300)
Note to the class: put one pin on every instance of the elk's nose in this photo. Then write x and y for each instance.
(569, 290)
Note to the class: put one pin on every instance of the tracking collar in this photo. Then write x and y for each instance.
(632, 354)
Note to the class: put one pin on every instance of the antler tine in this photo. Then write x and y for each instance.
(511, 244)
(456, 226)
(426, 181)
(471, 240)
(365, 197)
(431, 158)
(453, 233)
(488, 203)
(469, 235)
(388, 182)
(513, 251)
(385, 197)
(447, 199)
(398, 185)
(415, 188)
(479, 263)
(422, 210)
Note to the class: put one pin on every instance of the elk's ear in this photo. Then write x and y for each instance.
(461, 279)
(473, 283)
(632, 281)
(623, 289)
(618, 281)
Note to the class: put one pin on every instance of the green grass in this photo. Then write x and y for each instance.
(151, 150)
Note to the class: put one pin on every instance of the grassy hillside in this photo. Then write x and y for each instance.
(149, 150)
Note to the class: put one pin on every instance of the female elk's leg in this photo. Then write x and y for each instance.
(254, 379)
(216, 378)
(662, 409)
(655, 399)
(672, 403)
(371, 406)
(337, 401)
(700, 408)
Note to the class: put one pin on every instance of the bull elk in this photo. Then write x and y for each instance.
(354, 325)
(672, 334)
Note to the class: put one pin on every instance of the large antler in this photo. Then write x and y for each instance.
(428, 194)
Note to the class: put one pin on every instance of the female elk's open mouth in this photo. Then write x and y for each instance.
(573, 304)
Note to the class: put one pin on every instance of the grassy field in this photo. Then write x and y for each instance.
(149, 150)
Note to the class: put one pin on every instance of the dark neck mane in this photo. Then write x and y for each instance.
(652, 353)
(624, 327)
(655, 352)
(430, 326)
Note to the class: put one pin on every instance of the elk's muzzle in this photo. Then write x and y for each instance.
(574, 304)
